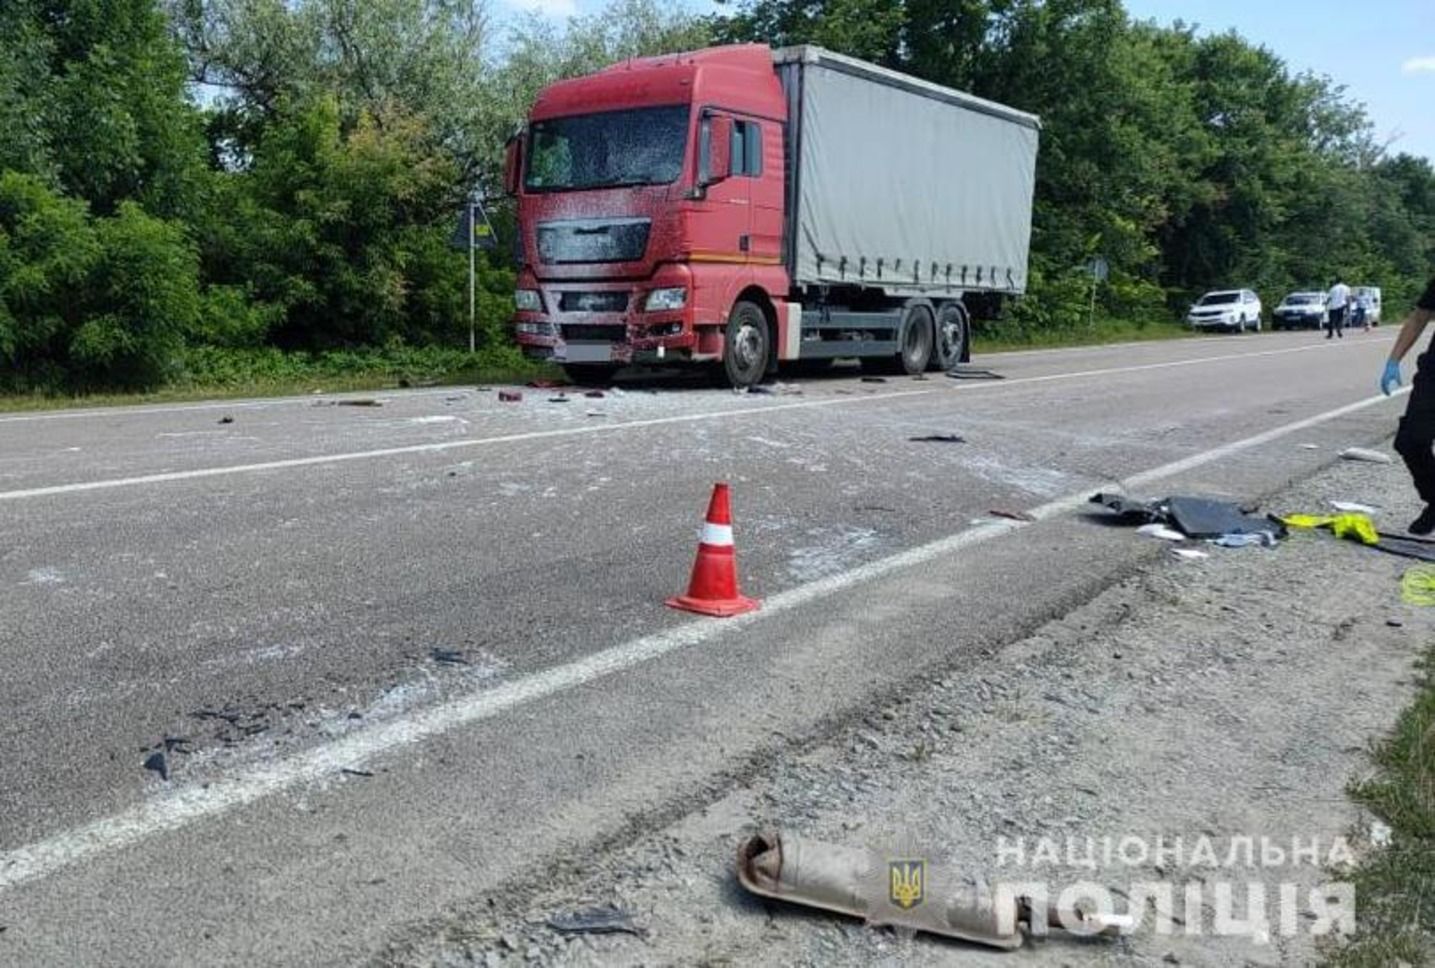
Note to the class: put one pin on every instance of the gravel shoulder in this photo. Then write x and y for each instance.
(1222, 698)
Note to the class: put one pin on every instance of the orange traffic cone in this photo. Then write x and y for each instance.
(713, 588)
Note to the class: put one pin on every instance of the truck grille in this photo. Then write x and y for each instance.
(606, 334)
(592, 302)
(593, 240)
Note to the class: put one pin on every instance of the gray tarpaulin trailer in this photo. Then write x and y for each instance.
(901, 185)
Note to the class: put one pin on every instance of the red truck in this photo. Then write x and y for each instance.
(745, 207)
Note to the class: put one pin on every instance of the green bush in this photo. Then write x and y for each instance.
(89, 303)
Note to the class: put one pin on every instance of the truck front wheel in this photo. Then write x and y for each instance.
(745, 345)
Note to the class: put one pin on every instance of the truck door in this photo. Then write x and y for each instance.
(757, 159)
(728, 224)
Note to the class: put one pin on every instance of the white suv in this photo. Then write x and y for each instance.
(1230, 309)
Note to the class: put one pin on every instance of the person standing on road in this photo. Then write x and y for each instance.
(1336, 303)
(1415, 441)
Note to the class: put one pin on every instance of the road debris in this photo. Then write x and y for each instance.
(1362, 454)
(968, 373)
(349, 771)
(1010, 515)
(607, 919)
(1190, 554)
(157, 763)
(1131, 509)
(900, 892)
(1198, 517)
(1354, 507)
(1406, 546)
(226, 419)
(1355, 527)
(939, 439)
(359, 402)
(560, 398)
(594, 394)
(448, 656)
(874, 379)
(1263, 539)
(1417, 586)
(594, 413)
(510, 396)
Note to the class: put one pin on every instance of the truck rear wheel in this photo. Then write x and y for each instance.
(918, 337)
(746, 345)
(952, 335)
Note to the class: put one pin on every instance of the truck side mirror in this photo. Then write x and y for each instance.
(513, 163)
(715, 150)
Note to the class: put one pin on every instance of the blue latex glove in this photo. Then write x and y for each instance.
(1390, 379)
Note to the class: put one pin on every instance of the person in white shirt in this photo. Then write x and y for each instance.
(1337, 304)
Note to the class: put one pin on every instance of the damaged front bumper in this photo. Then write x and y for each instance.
(609, 323)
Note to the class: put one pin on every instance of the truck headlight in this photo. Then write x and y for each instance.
(535, 329)
(664, 299)
(528, 301)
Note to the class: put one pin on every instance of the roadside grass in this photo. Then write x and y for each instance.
(999, 336)
(208, 373)
(205, 373)
(1395, 885)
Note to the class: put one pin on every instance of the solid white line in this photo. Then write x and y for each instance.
(239, 403)
(321, 459)
(188, 804)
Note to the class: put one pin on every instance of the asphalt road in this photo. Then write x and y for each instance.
(413, 655)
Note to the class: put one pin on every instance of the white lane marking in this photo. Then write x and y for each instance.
(188, 804)
(126, 410)
(1193, 342)
(320, 459)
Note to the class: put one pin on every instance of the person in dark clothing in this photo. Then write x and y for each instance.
(1415, 441)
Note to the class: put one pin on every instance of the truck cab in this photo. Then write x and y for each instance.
(650, 201)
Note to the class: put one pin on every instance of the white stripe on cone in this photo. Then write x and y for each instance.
(716, 534)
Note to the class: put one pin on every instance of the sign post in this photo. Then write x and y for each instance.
(474, 232)
(1099, 270)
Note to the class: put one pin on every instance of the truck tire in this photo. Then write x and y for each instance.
(952, 334)
(918, 338)
(591, 374)
(746, 345)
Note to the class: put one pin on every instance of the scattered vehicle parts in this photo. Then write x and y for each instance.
(1158, 530)
(607, 919)
(939, 439)
(360, 402)
(1363, 454)
(1010, 515)
(900, 891)
(1199, 517)
(157, 763)
(510, 396)
(1354, 507)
